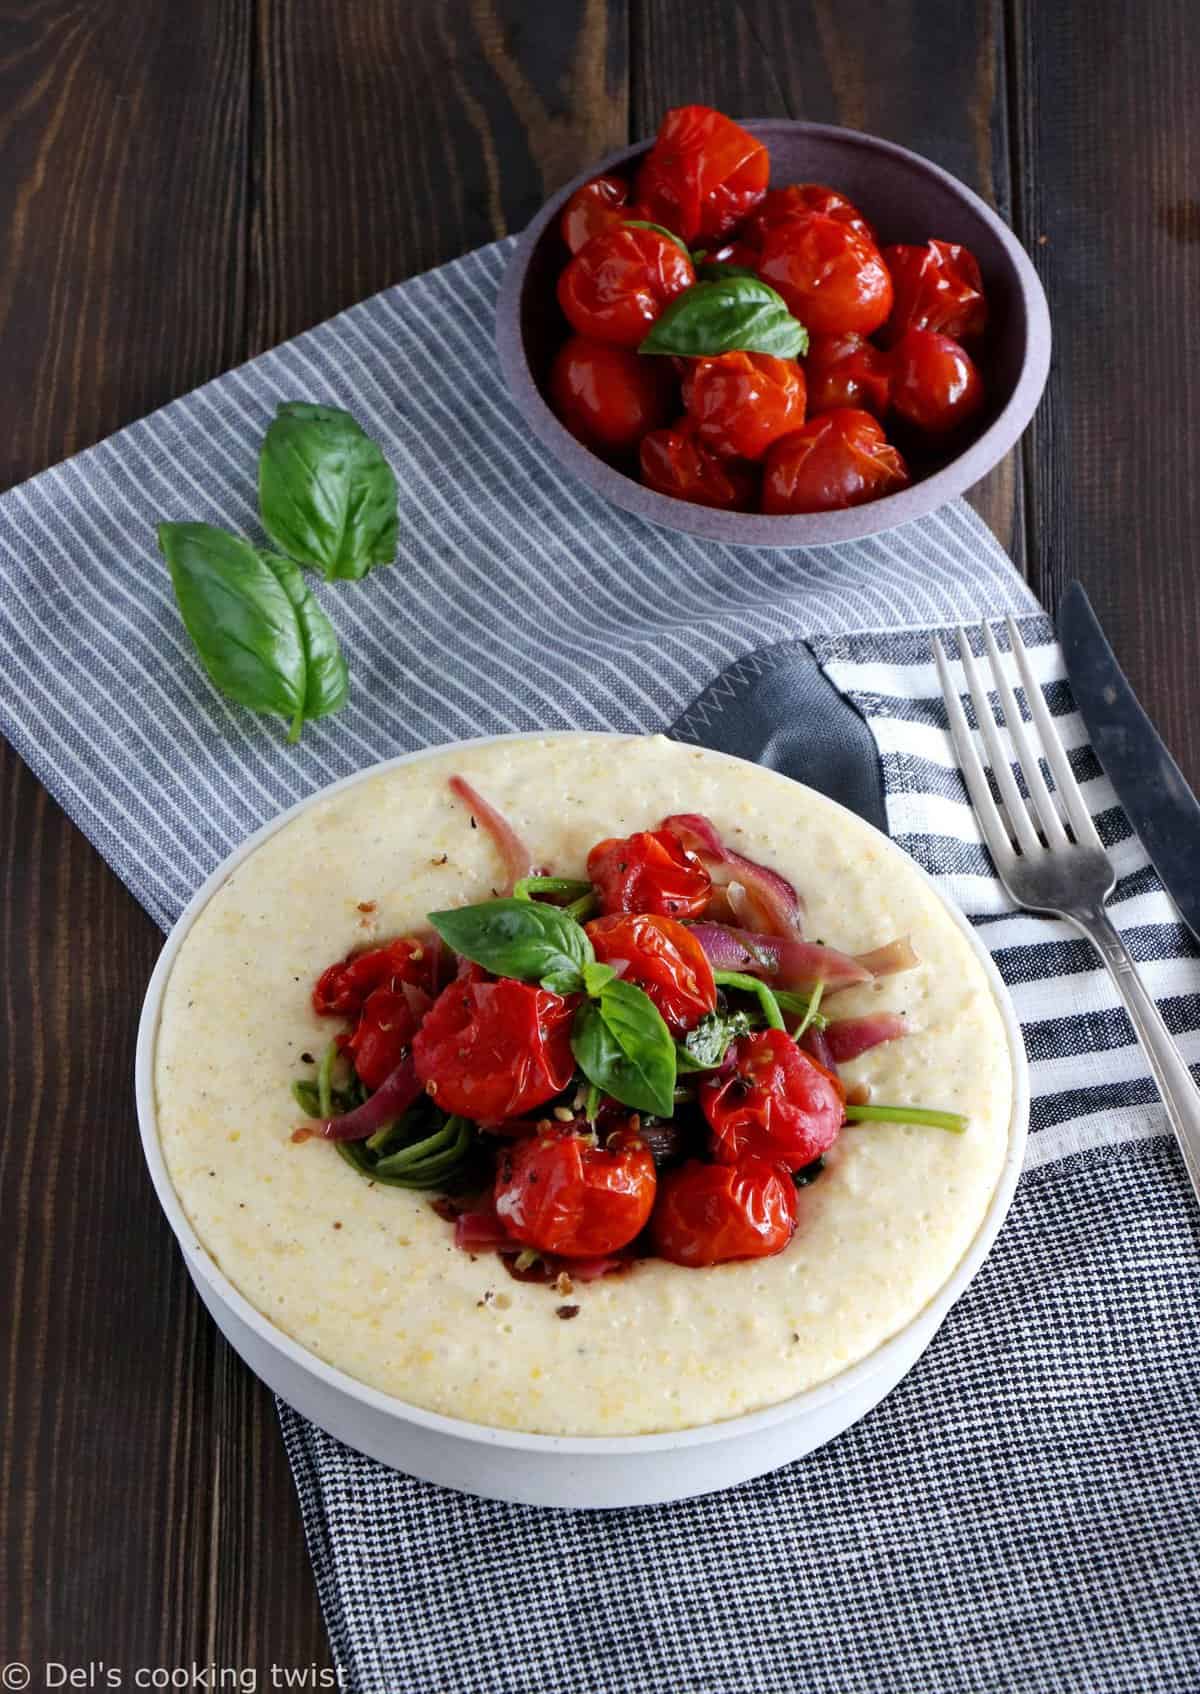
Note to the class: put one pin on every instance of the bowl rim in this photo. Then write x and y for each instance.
(758, 529)
(201, 1263)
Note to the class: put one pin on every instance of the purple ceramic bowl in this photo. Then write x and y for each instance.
(906, 198)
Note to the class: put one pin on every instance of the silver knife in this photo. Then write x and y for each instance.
(1149, 784)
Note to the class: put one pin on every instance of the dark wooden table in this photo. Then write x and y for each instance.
(184, 184)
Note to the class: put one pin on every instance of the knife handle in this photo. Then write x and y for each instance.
(1179, 1093)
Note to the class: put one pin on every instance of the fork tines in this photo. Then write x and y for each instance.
(1025, 827)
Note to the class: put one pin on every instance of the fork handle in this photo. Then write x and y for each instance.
(1179, 1093)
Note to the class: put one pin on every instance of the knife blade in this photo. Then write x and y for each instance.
(1149, 784)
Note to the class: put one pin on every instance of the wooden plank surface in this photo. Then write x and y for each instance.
(183, 185)
(1108, 200)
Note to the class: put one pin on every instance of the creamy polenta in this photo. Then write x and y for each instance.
(368, 1279)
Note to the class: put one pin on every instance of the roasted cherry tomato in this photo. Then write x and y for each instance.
(674, 461)
(831, 276)
(739, 253)
(742, 402)
(846, 370)
(776, 1101)
(839, 459)
(616, 286)
(703, 174)
(798, 198)
(494, 1050)
(557, 1193)
(609, 397)
(936, 287)
(384, 1033)
(708, 1214)
(599, 205)
(662, 957)
(341, 990)
(648, 872)
(935, 384)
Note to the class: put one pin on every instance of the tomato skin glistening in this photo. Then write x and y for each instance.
(557, 1193)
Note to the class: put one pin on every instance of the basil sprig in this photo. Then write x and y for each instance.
(619, 1039)
(526, 939)
(727, 315)
(622, 1045)
(260, 634)
(704, 1047)
(326, 493)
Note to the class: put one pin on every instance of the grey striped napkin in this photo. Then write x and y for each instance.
(1020, 1513)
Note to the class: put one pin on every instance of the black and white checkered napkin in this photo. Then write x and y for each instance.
(1022, 1512)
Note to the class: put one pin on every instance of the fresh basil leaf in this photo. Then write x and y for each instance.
(659, 229)
(326, 492)
(327, 680)
(713, 271)
(732, 314)
(522, 938)
(704, 1047)
(597, 976)
(259, 633)
(622, 1045)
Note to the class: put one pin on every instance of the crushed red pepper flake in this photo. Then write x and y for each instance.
(567, 1311)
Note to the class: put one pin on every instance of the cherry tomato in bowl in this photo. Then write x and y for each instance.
(937, 286)
(830, 275)
(702, 175)
(658, 955)
(651, 871)
(617, 285)
(557, 1193)
(711, 1214)
(838, 459)
(609, 397)
(494, 1050)
(599, 205)
(741, 402)
(797, 198)
(675, 461)
(775, 1101)
(847, 370)
(936, 387)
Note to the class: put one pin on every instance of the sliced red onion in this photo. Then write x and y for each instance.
(480, 1232)
(847, 1038)
(788, 963)
(764, 900)
(418, 1001)
(894, 956)
(590, 1270)
(393, 1097)
(516, 856)
(814, 1043)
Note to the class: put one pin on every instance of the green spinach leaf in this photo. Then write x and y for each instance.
(704, 1047)
(326, 493)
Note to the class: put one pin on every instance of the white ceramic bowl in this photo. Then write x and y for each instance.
(550, 1470)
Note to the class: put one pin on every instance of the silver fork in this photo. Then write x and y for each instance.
(1053, 861)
